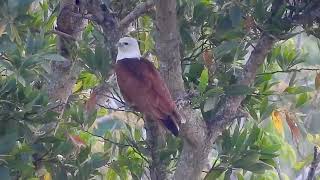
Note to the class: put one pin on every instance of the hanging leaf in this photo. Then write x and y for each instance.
(214, 174)
(292, 123)
(207, 57)
(277, 121)
(302, 99)
(203, 80)
(77, 141)
(47, 176)
(91, 102)
(298, 89)
(317, 81)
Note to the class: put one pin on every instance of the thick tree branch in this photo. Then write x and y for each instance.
(228, 110)
(137, 12)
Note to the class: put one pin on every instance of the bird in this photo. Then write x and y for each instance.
(142, 86)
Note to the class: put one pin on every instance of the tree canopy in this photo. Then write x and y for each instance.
(245, 75)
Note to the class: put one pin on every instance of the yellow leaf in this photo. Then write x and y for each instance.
(317, 81)
(277, 121)
(77, 87)
(47, 176)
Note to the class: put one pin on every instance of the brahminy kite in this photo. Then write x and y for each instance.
(142, 86)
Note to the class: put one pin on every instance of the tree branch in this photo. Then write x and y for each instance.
(64, 74)
(228, 110)
(314, 164)
(108, 140)
(290, 70)
(137, 12)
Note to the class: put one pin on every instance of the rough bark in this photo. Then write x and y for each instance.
(64, 74)
(195, 151)
(167, 46)
(156, 142)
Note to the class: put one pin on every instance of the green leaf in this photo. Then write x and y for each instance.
(111, 174)
(259, 12)
(15, 34)
(6, 64)
(185, 34)
(259, 167)
(225, 48)
(240, 141)
(263, 105)
(98, 160)
(271, 148)
(54, 57)
(227, 175)
(247, 160)
(254, 135)
(238, 90)
(240, 176)
(214, 92)
(302, 99)
(203, 80)
(298, 89)
(88, 79)
(214, 174)
(200, 12)
(267, 112)
(252, 112)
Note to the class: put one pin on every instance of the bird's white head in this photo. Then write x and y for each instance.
(128, 47)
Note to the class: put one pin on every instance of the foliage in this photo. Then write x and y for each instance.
(87, 145)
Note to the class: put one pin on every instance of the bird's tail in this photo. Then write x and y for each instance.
(171, 125)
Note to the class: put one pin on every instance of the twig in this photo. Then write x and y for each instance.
(278, 171)
(314, 164)
(135, 148)
(289, 70)
(108, 140)
(65, 35)
(135, 13)
(114, 109)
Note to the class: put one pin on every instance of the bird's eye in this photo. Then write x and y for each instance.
(125, 43)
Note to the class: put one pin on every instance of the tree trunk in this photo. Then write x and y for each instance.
(64, 75)
(195, 149)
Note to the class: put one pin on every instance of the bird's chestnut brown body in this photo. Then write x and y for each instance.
(143, 89)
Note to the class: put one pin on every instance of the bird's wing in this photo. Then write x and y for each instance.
(142, 86)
